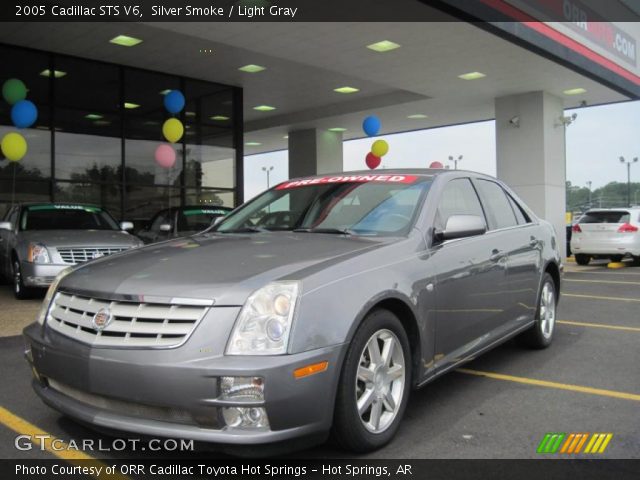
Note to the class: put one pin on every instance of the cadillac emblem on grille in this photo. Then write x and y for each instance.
(101, 319)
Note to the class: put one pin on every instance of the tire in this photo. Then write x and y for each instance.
(615, 258)
(541, 334)
(636, 261)
(362, 380)
(582, 259)
(19, 290)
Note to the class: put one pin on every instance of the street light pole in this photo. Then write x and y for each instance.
(455, 161)
(589, 183)
(628, 162)
(267, 170)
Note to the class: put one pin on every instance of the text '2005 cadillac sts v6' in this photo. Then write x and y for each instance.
(314, 308)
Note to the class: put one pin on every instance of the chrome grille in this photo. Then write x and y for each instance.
(76, 255)
(133, 325)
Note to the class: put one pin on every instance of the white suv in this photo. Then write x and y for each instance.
(607, 233)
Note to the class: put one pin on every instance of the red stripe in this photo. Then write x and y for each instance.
(561, 38)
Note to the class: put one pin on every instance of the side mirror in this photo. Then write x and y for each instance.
(216, 221)
(6, 226)
(462, 226)
(126, 226)
(165, 227)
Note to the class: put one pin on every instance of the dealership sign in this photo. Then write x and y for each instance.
(348, 179)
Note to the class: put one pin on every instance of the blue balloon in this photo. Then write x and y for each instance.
(24, 114)
(174, 101)
(371, 125)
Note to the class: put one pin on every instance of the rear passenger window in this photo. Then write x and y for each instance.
(521, 216)
(497, 206)
(458, 198)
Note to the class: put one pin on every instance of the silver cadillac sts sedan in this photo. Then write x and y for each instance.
(314, 308)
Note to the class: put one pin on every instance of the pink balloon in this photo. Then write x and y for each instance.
(436, 165)
(165, 155)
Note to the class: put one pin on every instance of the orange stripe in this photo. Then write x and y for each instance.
(567, 442)
(582, 442)
(574, 443)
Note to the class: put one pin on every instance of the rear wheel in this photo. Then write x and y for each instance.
(582, 259)
(541, 334)
(616, 258)
(374, 385)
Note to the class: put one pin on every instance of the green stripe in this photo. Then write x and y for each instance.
(558, 442)
(543, 443)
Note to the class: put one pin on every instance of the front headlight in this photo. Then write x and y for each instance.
(38, 253)
(265, 321)
(44, 309)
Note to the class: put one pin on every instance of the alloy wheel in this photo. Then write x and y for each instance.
(547, 310)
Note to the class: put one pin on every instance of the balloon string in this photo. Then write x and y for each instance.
(13, 185)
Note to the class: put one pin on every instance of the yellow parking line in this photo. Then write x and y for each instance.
(601, 281)
(599, 325)
(47, 441)
(560, 386)
(598, 297)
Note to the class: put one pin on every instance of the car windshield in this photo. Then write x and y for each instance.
(66, 217)
(347, 204)
(198, 219)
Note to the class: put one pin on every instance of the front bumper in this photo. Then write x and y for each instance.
(175, 392)
(40, 274)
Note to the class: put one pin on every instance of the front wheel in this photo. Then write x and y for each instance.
(374, 385)
(19, 290)
(541, 334)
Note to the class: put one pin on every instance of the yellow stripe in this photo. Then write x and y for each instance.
(596, 445)
(602, 281)
(560, 386)
(591, 442)
(597, 297)
(605, 444)
(599, 325)
(75, 457)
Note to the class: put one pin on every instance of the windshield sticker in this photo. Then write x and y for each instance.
(64, 207)
(348, 179)
(188, 213)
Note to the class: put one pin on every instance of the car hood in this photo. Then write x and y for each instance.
(79, 238)
(225, 268)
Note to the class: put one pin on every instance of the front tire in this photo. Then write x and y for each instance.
(541, 334)
(582, 259)
(374, 386)
(19, 290)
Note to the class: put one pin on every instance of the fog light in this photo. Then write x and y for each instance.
(242, 388)
(241, 417)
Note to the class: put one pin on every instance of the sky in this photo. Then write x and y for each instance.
(595, 141)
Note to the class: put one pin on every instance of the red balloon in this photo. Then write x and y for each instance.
(373, 162)
(436, 165)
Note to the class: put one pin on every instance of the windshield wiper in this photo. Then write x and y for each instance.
(336, 231)
(245, 230)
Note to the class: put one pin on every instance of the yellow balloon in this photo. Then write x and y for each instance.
(173, 130)
(380, 148)
(14, 146)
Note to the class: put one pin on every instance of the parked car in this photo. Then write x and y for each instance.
(39, 240)
(323, 318)
(607, 233)
(180, 222)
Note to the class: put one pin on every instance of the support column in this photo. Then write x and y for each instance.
(530, 150)
(314, 151)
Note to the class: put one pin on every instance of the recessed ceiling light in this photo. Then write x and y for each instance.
(418, 116)
(575, 91)
(125, 41)
(264, 108)
(165, 91)
(151, 122)
(219, 118)
(346, 90)
(189, 114)
(383, 46)
(338, 129)
(93, 116)
(472, 76)
(130, 105)
(286, 137)
(56, 73)
(253, 144)
(102, 122)
(251, 68)
(42, 127)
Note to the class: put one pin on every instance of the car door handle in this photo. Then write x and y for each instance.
(496, 255)
(533, 242)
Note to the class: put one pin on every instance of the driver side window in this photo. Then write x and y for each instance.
(458, 198)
